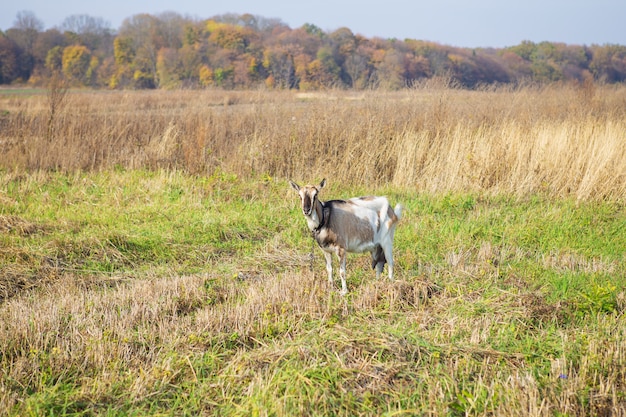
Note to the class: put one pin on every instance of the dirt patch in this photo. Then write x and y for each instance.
(15, 224)
(538, 310)
(396, 295)
(15, 279)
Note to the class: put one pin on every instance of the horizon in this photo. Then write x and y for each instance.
(484, 24)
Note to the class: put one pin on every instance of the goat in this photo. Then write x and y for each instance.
(357, 225)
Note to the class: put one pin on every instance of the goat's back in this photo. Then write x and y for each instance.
(371, 202)
(379, 205)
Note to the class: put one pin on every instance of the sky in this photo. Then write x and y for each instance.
(472, 24)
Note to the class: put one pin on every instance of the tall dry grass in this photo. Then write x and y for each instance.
(563, 140)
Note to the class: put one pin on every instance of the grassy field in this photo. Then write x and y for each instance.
(137, 292)
(154, 260)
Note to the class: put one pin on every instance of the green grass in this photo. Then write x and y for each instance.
(141, 292)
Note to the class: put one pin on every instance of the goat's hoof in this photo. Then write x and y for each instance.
(343, 292)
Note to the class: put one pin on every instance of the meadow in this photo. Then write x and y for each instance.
(154, 260)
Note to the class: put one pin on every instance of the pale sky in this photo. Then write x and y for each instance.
(478, 23)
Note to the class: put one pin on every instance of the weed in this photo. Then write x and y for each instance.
(599, 298)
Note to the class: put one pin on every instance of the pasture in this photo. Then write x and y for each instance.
(155, 261)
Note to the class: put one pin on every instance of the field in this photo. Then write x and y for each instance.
(154, 260)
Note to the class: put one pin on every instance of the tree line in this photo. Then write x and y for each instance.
(235, 51)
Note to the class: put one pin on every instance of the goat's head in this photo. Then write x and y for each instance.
(308, 195)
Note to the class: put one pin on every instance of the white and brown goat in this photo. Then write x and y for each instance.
(360, 224)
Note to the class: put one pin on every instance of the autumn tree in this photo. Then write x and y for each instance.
(24, 33)
(193, 53)
(124, 53)
(169, 68)
(240, 51)
(544, 63)
(9, 56)
(390, 70)
(54, 59)
(524, 50)
(27, 27)
(142, 37)
(575, 61)
(357, 65)
(543, 60)
(234, 38)
(518, 67)
(234, 51)
(324, 72)
(45, 42)
(343, 44)
(141, 31)
(436, 56)
(106, 72)
(279, 62)
(314, 30)
(93, 32)
(192, 34)
(205, 76)
(261, 25)
(170, 30)
(76, 62)
(190, 60)
(303, 46)
(608, 63)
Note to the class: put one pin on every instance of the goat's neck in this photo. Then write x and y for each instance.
(316, 219)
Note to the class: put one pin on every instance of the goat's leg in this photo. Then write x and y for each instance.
(378, 260)
(388, 249)
(341, 254)
(329, 267)
(379, 269)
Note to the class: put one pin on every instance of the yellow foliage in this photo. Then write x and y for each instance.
(455, 59)
(378, 55)
(206, 76)
(114, 82)
(252, 66)
(212, 25)
(75, 62)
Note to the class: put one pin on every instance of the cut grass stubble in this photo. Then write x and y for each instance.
(493, 312)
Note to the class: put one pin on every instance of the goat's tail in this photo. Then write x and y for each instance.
(398, 211)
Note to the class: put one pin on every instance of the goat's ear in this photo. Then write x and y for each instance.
(294, 186)
(323, 183)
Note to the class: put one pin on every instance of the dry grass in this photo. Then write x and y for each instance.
(503, 305)
(561, 140)
(233, 344)
(98, 318)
